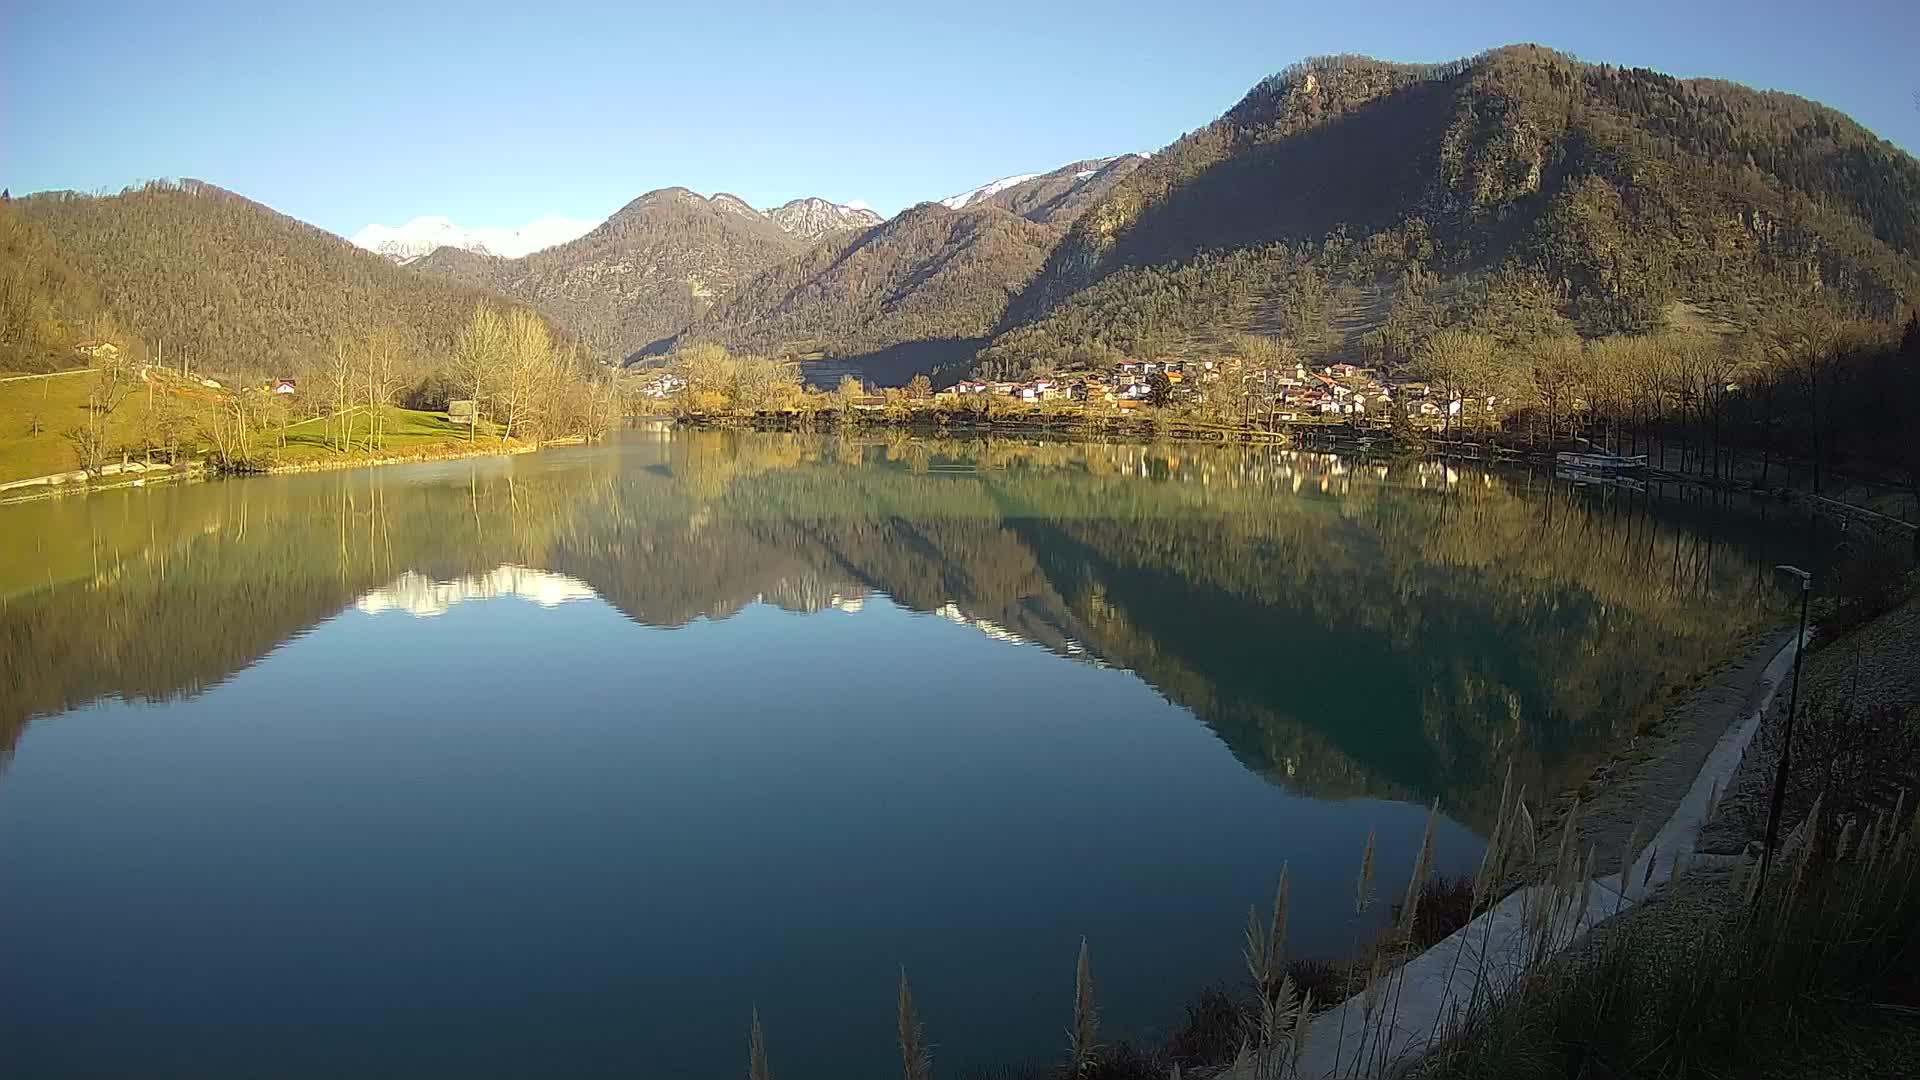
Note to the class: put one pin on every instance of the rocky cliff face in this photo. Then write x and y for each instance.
(814, 218)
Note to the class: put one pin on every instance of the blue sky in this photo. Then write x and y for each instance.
(344, 113)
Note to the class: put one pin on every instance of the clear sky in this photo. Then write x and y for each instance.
(343, 112)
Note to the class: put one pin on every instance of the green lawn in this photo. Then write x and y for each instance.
(406, 431)
(60, 402)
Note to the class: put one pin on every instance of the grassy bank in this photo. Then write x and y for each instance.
(35, 414)
(405, 435)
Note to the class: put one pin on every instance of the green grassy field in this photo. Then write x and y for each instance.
(406, 431)
(60, 403)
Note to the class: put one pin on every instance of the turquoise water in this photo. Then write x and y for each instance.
(561, 764)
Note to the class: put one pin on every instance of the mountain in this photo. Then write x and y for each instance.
(1052, 197)
(237, 288)
(985, 191)
(931, 277)
(920, 291)
(1521, 191)
(642, 275)
(423, 235)
(814, 218)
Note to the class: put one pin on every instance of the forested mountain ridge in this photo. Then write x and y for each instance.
(1062, 195)
(933, 281)
(202, 274)
(643, 274)
(1612, 193)
(930, 275)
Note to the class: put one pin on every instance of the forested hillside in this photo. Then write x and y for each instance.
(46, 306)
(202, 274)
(930, 275)
(1059, 196)
(1522, 190)
(926, 287)
(642, 275)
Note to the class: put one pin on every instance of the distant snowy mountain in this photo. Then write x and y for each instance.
(985, 191)
(424, 235)
(1056, 196)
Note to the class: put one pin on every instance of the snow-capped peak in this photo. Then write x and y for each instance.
(985, 191)
(424, 235)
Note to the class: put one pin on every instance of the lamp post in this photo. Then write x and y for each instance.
(1786, 743)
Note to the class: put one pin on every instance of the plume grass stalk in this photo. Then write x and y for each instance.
(916, 1060)
(1083, 1038)
(757, 1068)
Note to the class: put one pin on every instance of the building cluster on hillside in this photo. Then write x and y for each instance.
(663, 384)
(1300, 394)
(1128, 384)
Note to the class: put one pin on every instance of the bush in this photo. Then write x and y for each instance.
(1215, 1026)
(1869, 577)
(1446, 905)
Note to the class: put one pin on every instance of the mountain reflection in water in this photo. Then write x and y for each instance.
(681, 671)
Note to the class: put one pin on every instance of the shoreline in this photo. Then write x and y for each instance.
(139, 474)
(437, 453)
(1341, 437)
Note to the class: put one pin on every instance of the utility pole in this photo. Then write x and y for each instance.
(1786, 743)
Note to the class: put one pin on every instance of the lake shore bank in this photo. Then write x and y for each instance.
(1870, 507)
(136, 473)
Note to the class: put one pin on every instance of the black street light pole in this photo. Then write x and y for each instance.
(1786, 743)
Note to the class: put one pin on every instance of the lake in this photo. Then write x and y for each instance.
(562, 763)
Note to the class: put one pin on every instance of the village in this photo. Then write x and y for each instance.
(1340, 390)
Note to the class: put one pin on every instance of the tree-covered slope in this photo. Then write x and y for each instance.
(46, 306)
(1617, 192)
(929, 274)
(233, 286)
(642, 275)
(1059, 196)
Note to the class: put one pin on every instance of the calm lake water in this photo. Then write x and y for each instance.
(559, 764)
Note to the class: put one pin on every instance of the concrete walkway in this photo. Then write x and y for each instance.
(1422, 1003)
(45, 375)
(79, 476)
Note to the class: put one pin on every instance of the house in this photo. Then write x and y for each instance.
(666, 384)
(99, 350)
(285, 386)
(1342, 371)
